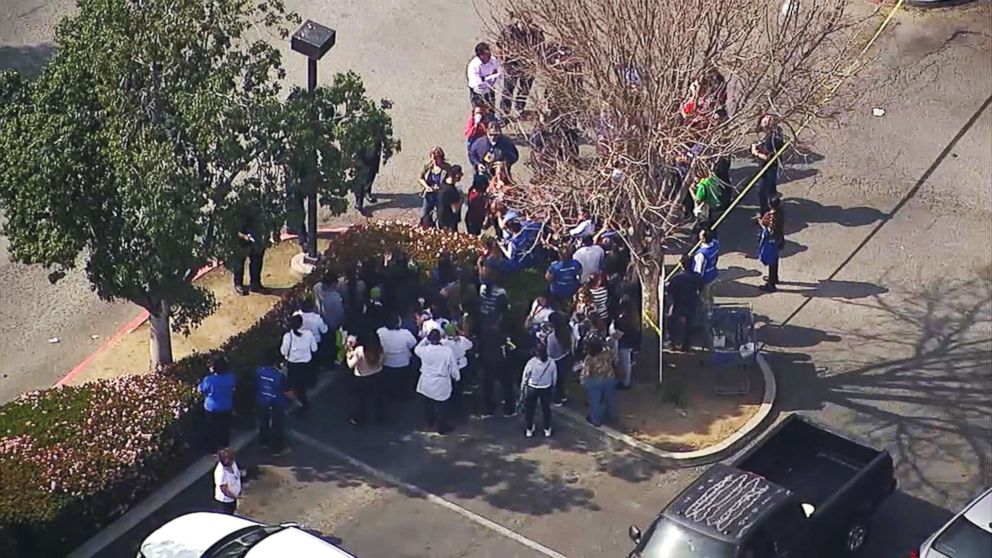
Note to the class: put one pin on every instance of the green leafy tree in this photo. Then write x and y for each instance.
(328, 133)
(158, 126)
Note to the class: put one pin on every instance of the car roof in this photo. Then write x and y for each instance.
(980, 511)
(725, 503)
(190, 535)
(295, 542)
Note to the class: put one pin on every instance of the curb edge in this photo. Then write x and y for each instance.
(764, 409)
(136, 322)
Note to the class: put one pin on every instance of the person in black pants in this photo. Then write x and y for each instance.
(298, 347)
(682, 292)
(772, 142)
(251, 246)
(538, 382)
(369, 161)
(515, 40)
(494, 364)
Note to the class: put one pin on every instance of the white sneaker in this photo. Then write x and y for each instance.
(547, 432)
(529, 432)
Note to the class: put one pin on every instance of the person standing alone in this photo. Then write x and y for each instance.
(484, 72)
(227, 481)
(771, 241)
(538, 386)
(250, 246)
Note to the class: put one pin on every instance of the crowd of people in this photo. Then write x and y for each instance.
(456, 342)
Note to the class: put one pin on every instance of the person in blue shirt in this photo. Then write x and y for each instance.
(704, 262)
(522, 245)
(271, 399)
(218, 403)
(563, 276)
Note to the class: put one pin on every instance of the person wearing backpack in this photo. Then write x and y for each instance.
(270, 397)
(538, 385)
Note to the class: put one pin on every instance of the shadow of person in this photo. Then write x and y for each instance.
(393, 201)
(791, 336)
(791, 249)
(801, 213)
(833, 288)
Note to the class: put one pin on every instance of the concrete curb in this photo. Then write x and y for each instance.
(140, 318)
(713, 452)
(202, 466)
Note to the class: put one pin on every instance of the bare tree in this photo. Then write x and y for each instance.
(644, 81)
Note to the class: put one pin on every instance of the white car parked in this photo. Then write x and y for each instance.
(968, 535)
(217, 535)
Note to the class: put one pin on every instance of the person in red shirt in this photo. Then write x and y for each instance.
(478, 121)
(477, 205)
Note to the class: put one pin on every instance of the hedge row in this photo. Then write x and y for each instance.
(72, 459)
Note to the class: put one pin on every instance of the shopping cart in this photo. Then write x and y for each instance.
(733, 347)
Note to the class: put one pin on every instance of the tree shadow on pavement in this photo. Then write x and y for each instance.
(483, 459)
(28, 60)
(917, 377)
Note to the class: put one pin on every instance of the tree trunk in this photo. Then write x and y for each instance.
(160, 341)
(649, 357)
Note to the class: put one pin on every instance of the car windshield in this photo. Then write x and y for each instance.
(238, 543)
(964, 539)
(667, 539)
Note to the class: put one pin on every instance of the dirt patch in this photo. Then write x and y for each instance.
(686, 413)
(234, 314)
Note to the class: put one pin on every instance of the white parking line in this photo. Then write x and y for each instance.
(433, 498)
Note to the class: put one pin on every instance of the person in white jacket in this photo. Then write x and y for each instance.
(438, 372)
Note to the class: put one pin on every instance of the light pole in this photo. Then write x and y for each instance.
(312, 40)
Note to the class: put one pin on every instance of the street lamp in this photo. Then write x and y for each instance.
(312, 40)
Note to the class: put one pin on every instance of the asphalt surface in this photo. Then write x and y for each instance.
(883, 331)
(573, 493)
(883, 328)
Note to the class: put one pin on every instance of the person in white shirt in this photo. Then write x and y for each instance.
(460, 345)
(586, 227)
(484, 72)
(298, 347)
(227, 481)
(397, 342)
(428, 322)
(538, 385)
(312, 321)
(591, 257)
(438, 371)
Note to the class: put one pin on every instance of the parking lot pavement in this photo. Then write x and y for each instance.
(484, 490)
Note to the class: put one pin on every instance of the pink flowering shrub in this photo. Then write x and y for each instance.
(72, 459)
